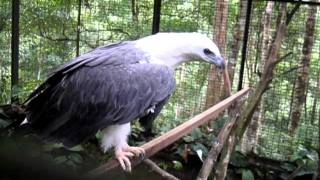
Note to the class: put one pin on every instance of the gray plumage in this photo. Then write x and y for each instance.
(113, 85)
(106, 86)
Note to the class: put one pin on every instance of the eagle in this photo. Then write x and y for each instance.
(109, 87)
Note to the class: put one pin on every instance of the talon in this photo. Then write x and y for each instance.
(137, 151)
(124, 155)
(123, 158)
(141, 157)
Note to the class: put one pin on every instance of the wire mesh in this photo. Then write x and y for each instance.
(48, 38)
(5, 56)
(273, 139)
(190, 97)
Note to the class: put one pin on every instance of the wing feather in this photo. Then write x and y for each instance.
(89, 95)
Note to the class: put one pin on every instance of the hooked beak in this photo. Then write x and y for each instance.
(217, 60)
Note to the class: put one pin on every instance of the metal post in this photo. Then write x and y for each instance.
(245, 44)
(156, 16)
(15, 49)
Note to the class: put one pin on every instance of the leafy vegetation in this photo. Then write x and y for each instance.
(48, 38)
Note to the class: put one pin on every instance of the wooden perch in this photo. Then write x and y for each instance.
(220, 141)
(173, 135)
(227, 82)
(154, 167)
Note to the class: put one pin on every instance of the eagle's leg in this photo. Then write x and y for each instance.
(116, 136)
(123, 155)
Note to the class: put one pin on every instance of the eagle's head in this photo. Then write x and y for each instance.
(174, 48)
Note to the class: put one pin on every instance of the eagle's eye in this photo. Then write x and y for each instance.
(207, 51)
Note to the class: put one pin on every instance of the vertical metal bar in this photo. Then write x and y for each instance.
(245, 44)
(15, 49)
(78, 29)
(156, 16)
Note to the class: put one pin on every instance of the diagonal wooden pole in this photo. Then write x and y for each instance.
(161, 142)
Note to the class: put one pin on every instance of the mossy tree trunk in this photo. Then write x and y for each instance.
(251, 135)
(215, 84)
(300, 90)
(237, 131)
(315, 100)
(237, 38)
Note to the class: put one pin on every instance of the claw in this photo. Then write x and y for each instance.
(123, 158)
(137, 151)
(124, 155)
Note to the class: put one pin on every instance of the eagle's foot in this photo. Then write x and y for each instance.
(137, 151)
(124, 159)
(123, 155)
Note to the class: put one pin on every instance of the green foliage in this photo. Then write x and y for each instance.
(247, 175)
(197, 143)
(307, 158)
(48, 38)
(177, 165)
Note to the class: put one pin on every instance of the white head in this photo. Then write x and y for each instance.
(174, 48)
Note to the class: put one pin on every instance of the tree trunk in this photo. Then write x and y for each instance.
(303, 72)
(78, 29)
(135, 11)
(255, 97)
(237, 38)
(315, 100)
(15, 50)
(215, 86)
(251, 135)
(135, 17)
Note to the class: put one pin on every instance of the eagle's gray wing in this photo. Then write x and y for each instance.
(113, 54)
(96, 94)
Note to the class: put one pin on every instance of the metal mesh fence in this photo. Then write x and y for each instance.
(5, 36)
(48, 38)
(272, 138)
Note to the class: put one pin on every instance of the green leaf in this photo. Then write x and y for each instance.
(60, 159)
(247, 175)
(199, 146)
(77, 148)
(287, 166)
(305, 172)
(239, 160)
(177, 165)
(313, 156)
(196, 133)
(50, 147)
(188, 139)
(163, 165)
(70, 163)
(74, 157)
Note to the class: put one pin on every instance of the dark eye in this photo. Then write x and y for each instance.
(207, 51)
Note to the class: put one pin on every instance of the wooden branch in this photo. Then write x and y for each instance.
(173, 135)
(215, 150)
(154, 167)
(219, 143)
(246, 115)
(292, 12)
(295, 172)
(283, 57)
(316, 174)
(222, 167)
(227, 82)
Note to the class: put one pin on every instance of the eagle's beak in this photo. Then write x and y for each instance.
(217, 60)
